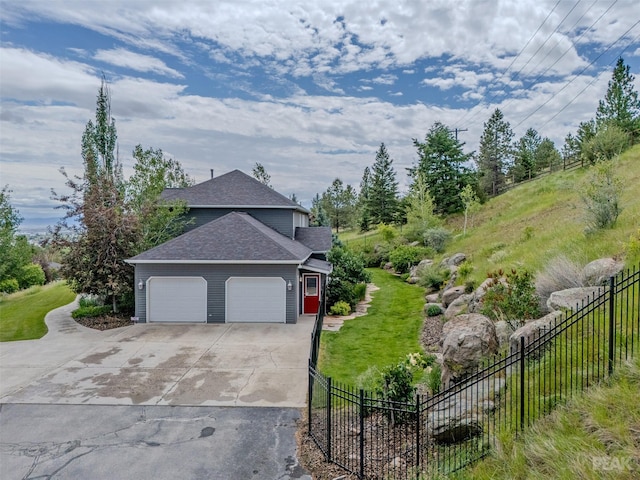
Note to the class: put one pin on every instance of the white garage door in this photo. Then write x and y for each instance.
(256, 299)
(177, 299)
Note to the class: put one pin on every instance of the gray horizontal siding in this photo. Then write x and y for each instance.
(216, 276)
(281, 220)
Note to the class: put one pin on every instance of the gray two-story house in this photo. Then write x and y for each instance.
(248, 256)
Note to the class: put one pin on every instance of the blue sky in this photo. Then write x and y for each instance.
(308, 89)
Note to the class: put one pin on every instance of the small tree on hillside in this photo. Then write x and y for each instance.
(339, 203)
(442, 164)
(601, 192)
(471, 204)
(621, 105)
(495, 154)
(524, 166)
(382, 201)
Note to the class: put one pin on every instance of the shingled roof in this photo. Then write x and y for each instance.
(234, 238)
(317, 239)
(233, 189)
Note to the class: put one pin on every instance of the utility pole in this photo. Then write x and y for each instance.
(456, 130)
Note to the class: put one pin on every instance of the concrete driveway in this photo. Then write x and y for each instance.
(153, 401)
(150, 364)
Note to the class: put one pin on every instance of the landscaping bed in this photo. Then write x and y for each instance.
(105, 322)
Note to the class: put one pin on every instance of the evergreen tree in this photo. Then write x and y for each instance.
(495, 154)
(621, 105)
(442, 165)
(363, 200)
(260, 174)
(570, 149)
(382, 204)
(547, 156)
(319, 216)
(339, 203)
(524, 166)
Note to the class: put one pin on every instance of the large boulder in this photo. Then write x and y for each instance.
(573, 298)
(503, 332)
(460, 417)
(432, 298)
(448, 296)
(599, 271)
(454, 260)
(459, 306)
(467, 339)
(533, 330)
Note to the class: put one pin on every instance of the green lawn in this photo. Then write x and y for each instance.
(22, 313)
(390, 330)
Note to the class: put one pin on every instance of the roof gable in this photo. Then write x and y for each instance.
(237, 237)
(318, 239)
(233, 189)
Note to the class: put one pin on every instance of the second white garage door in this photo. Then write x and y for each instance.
(177, 299)
(256, 299)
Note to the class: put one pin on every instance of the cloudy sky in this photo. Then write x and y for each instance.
(308, 88)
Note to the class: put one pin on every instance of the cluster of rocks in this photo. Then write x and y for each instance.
(468, 337)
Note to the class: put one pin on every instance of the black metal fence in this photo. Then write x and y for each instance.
(375, 438)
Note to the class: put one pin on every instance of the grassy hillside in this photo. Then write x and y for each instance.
(538, 220)
(541, 219)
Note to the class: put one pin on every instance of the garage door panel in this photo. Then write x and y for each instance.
(177, 299)
(256, 299)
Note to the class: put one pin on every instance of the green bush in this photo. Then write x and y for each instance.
(340, 308)
(437, 239)
(359, 291)
(403, 257)
(30, 275)
(609, 142)
(433, 311)
(601, 192)
(432, 276)
(91, 311)
(348, 271)
(86, 301)
(9, 285)
(387, 232)
(512, 298)
(434, 374)
(465, 269)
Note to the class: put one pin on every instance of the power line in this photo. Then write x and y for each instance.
(576, 76)
(518, 55)
(589, 84)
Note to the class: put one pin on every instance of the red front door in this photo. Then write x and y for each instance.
(311, 293)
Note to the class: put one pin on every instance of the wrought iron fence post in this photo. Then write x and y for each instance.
(418, 416)
(612, 323)
(309, 397)
(522, 383)
(329, 419)
(361, 433)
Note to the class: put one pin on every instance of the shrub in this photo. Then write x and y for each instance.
(433, 311)
(437, 238)
(91, 311)
(30, 275)
(340, 308)
(601, 192)
(348, 271)
(433, 379)
(387, 232)
(609, 142)
(560, 273)
(403, 257)
(469, 286)
(512, 298)
(465, 269)
(359, 291)
(432, 277)
(9, 285)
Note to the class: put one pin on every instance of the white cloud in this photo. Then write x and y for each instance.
(141, 63)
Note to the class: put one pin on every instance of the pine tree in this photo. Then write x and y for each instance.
(495, 154)
(524, 166)
(363, 200)
(621, 105)
(442, 165)
(382, 203)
